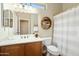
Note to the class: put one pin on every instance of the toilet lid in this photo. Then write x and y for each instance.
(52, 48)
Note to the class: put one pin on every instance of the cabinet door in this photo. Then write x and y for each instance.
(33, 49)
(13, 50)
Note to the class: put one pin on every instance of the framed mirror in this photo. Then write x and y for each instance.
(46, 23)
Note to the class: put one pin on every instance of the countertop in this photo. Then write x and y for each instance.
(19, 40)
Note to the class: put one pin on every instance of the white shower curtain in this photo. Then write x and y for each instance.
(66, 32)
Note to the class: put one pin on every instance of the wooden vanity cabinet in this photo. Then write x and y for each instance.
(12, 50)
(33, 49)
(28, 49)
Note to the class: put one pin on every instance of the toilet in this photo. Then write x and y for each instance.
(51, 49)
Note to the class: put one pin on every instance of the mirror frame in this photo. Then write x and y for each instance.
(46, 23)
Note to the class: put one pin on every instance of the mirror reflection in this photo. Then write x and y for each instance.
(22, 20)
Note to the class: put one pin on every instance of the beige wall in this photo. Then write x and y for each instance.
(67, 6)
(52, 9)
(56, 8)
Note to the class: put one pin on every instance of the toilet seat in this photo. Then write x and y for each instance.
(53, 50)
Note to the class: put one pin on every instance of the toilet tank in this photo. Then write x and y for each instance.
(47, 41)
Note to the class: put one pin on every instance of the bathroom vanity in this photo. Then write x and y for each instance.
(21, 46)
(26, 49)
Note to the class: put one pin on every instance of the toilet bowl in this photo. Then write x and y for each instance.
(52, 50)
